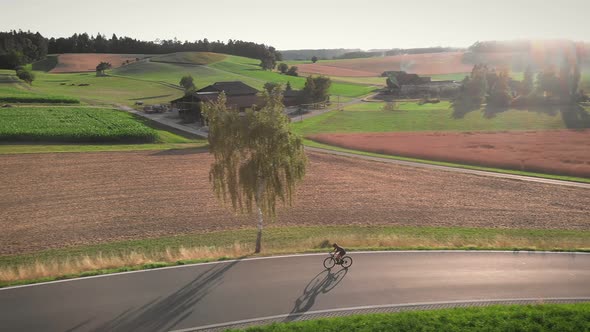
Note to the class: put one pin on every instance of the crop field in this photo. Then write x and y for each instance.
(564, 152)
(46, 124)
(90, 198)
(409, 116)
(87, 62)
(422, 64)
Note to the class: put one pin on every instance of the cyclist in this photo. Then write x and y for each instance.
(339, 252)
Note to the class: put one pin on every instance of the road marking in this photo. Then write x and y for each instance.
(383, 306)
(352, 253)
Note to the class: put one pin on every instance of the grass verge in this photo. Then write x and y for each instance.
(314, 144)
(542, 317)
(179, 250)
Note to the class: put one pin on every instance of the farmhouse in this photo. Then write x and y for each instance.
(412, 85)
(239, 96)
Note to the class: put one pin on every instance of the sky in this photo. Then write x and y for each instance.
(307, 24)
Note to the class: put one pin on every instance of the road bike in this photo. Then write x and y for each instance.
(345, 261)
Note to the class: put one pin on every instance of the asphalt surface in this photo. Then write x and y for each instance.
(199, 295)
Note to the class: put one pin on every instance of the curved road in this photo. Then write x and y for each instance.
(183, 298)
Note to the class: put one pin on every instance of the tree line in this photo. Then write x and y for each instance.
(18, 47)
(498, 91)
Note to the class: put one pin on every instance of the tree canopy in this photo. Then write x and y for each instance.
(258, 159)
(187, 82)
(102, 66)
(34, 47)
(316, 89)
(25, 75)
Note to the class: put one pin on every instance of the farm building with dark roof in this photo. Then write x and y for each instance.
(235, 88)
(239, 96)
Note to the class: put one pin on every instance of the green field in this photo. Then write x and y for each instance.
(249, 68)
(409, 116)
(172, 73)
(99, 91)
(81, 124)
(540, 317)
(231, 68)
(195, 58)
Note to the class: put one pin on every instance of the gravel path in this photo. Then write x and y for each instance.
(66, 199)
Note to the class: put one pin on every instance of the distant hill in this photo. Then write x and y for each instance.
(189, 58)
(83, 62)
(324, 54)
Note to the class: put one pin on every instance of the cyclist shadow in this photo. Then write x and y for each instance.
(322, 283)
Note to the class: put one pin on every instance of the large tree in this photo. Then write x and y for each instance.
(527, 81)
(293, 71)
(102, 66)
(258, 160)
(316, 89)
(283, 67)
(188, 83)
(25, 75)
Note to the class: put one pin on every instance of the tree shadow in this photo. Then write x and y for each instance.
(575, 116)
(181, 152)
(490, 111)
(163, 313)
(322, 283)
(461, 108)
(151, 97)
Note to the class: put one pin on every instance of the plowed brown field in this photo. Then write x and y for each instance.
(84, 62)
(565, 152)
(422, 64)
(59, 200)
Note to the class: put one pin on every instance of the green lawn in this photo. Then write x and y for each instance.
(409, 116)
(172, 73)
(72, 125)
(100, 91)
(195, 58)
(279, 240)
(541, 317)
(14, 91)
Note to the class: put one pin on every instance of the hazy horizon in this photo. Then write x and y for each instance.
(376, 24)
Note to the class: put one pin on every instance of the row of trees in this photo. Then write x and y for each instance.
(285, 69)
(18, 47)
(497, 89)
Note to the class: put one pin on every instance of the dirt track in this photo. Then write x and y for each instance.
(59, 200)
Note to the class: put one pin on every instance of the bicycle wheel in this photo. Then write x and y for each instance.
(346, 262)
(329, 262)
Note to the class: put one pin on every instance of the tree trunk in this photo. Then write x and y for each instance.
(260, 219)
(259, 235)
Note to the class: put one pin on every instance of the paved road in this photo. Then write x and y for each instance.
(192, 296)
